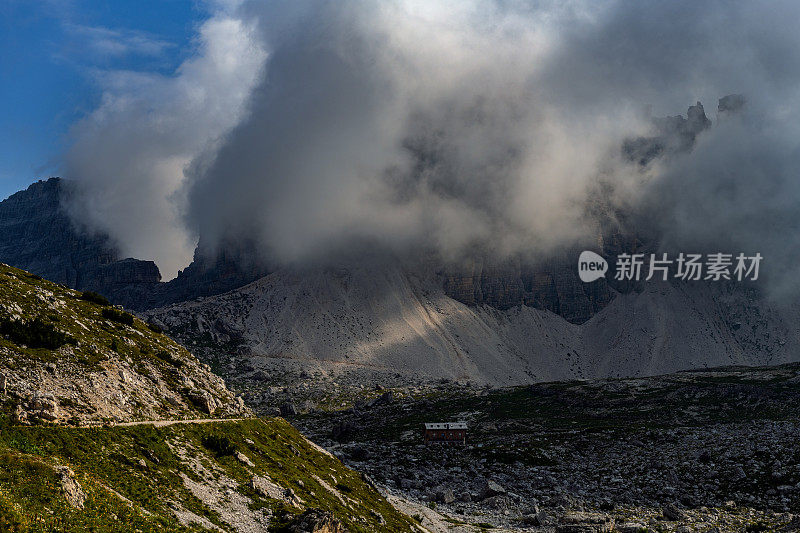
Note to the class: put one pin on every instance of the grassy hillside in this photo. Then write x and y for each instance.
(142, 478)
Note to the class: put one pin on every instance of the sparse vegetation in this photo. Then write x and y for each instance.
(135, 477)
(169, 357)
(34, 333)
(94, 297)
(115, 315)
(31, 498)
(37, 317)
(11, 519)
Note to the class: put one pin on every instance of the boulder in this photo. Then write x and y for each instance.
(203, 400)
(288, 409)
(384, 399)
(242, 458)
(631, 527)
(72, 489)
(264, 486)
(443, 495)
(672, 513)
(583, 522)
(316, 521)
(490, 488)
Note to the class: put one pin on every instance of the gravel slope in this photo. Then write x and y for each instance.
(387, 321)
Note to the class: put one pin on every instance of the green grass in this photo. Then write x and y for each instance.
(141, 464)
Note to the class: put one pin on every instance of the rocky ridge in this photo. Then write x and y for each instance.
(69, 356)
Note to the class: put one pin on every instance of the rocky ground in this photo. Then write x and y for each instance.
(694, 451)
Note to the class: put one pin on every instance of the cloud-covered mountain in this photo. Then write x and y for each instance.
(314, 127)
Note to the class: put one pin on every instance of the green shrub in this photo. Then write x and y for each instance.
(155, 328)
(95, 297)
(115, 315)
(34, 333)
(219, 444)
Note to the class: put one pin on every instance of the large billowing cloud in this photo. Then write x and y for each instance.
(447, 124)
(129, 155)
(407, 124)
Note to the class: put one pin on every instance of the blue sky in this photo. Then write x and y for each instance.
(53, 56)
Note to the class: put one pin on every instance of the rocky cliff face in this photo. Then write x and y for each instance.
(37, 235)
(552, 285)
(675, 134)
(211, 272)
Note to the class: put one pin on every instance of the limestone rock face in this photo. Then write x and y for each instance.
(212, 271)
(552, 285)
(38, 235)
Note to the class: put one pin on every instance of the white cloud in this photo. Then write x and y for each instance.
(110, 43)
(130, 153)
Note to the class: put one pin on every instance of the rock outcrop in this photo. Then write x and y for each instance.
(670, 135)
(552, 285)
(37, 234)
(212, 271)
(65, 359)
(73, 492)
